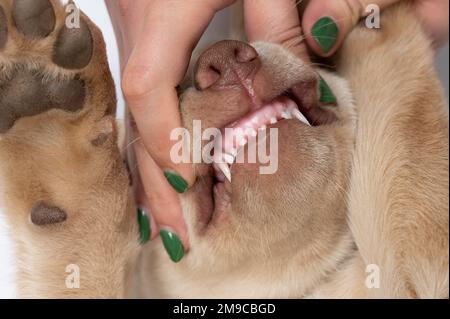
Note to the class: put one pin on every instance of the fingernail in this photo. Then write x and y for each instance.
(177, 182)
(172, 244)
(326, 94)
(325, 32)
(144, 226)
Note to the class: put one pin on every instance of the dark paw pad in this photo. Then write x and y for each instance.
(28, 94)
(43, 214)
(74, 47)
(34, 18)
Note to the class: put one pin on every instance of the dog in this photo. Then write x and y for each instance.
(358, 207)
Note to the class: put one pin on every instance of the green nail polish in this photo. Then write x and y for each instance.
(326, 95)
(325, 31)
(144, 226)
(177, 182)
(172, 244)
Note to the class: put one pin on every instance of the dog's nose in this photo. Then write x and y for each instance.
(226, 63)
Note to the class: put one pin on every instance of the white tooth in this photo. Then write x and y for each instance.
(262, 128)
(273, 120)
(225, 169)
(228, 158)
(299, 116)
(286, 115)
(243, 142)
(253, 133)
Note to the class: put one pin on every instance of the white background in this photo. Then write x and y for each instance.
(96, 10)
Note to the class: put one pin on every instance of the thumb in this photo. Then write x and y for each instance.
(327, 23)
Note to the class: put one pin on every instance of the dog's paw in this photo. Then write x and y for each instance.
(51, 57)
(63, 187)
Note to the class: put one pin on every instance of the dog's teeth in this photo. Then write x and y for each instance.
(243, 142)
(262, 128)
(273, 120)
(286, 115)
(299, 116)
(225, 169)
(253, 133)
(228, 158)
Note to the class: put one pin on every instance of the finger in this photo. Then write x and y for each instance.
(163, 204)
(434, 17)
(275, 21)
(327, 23)
(155, 67)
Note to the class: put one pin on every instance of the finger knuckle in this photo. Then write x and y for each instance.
(289, 37)
(160, 201)
(135, 82)
(354, 7)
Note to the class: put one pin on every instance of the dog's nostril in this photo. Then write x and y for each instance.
(213, 69)
(207, 78)
(226, 63)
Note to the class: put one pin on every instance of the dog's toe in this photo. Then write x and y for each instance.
(74, 47)
(34, 18)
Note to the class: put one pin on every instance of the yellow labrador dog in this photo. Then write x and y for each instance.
(358, 207)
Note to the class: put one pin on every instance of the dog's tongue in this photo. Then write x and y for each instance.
(238, 133)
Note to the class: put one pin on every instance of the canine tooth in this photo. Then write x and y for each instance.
(273, 120)
(299, 116)
(225, 169)
(286, 115)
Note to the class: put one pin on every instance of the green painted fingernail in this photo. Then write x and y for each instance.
(172, 244)
(144, 226)
(325, 31)
(177, 182)
(326, 95)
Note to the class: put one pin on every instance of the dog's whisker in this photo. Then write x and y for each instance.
(137, 139)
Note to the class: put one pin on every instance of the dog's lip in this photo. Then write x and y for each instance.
(214, 198)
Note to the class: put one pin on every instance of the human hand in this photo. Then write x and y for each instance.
(155, 39)
(327, 23)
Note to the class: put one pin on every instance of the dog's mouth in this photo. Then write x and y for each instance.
(215, 189)
(246, 92)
